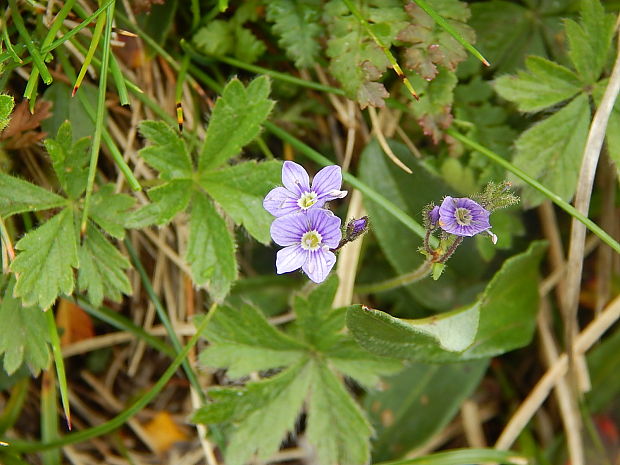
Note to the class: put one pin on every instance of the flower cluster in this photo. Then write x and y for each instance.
(461, 217)
(309, 233)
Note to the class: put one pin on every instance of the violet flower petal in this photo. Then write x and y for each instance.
(327, 224)
(280, 201)
(463, 216)
(287, 230)
(291, 258)
(326, 184)
(319, 264)
(295, 178)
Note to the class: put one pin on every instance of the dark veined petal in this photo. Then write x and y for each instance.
(327, 224)
(287, 230)
(280, 201)
(463, 216)
(327, 183)
(290, 259)
(295, 178)
(319, 264)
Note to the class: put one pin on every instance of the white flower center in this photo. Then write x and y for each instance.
(306, 200)
(463, 216)
(311, 240)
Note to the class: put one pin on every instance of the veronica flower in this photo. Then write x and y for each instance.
(462, 217)
(307, 239)
(298, 195)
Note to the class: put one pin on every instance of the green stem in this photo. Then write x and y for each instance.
(60, 365)
(568, 208)
(163, 316)
(121, 418)
(34, 53)
(416, 275)
(450, 30)
(96, 143)
(7, 41)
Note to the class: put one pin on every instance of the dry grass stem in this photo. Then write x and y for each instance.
(376, 127)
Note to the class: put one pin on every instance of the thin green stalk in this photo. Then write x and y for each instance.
(260, 70)
(94, 42)
(7, 41)
(96, 143)
(464, 457)
(121, 418)
(403, 280)
(33, 81)
(60, 365)
(195, 10)
(568, 208)
(49, 417)
(386, 51)
(179, 90)
(34, 53)
(163, 316)
(119, 81)
(450, 30)
(124, 324)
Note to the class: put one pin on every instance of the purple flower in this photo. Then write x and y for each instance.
(463, 217)
(307, 238)
(433, 215)
(298, 196)
(358, 226)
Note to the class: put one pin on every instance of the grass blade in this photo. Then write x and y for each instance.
(60, 365)
(464, 457)
(49, 416)
(101, 22)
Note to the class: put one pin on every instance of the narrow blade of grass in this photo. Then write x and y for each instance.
(464, 457)
(60, 365)
(101, 22)
(49, 416)
(13, 408)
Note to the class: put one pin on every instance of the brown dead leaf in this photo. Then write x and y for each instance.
(22, 130)
(144, 6)
(163, 432)
(75, 322)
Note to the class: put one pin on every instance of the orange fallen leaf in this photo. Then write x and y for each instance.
(75, 323)
(164, 432)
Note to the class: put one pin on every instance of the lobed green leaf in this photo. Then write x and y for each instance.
(551, 151)
(236, 121)
(210, 249)
(297, 22)
(103, 268)
(167, 153)
(25, 338)
(69, 160)
(6, 108)
(240, 190)
(44, 265)
(19, 196)
(111, 211)
(544, 84)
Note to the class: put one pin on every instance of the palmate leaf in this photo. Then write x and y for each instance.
(111, 211)
(211, 249)
(356, 61)
(69, 160)
(236, 121)
(431, 45)
(551, 151)
(102, 268)
(240, 190)
(590, 40)
(44, 266)
(25, 335)
(167, 153)
(297, 22)
(544, 84)
(243, 341)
